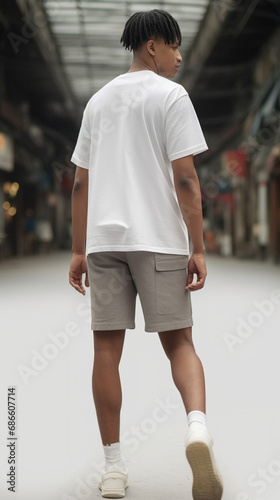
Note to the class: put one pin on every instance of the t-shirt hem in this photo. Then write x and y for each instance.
(79, 163)
(137, 248)
(194, 150)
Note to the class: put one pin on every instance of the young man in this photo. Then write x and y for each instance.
(136, 194)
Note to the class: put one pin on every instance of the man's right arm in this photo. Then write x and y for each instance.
(78, 264)
(189, 198)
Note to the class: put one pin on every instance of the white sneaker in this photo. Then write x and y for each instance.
(207, 482)
(113, 483)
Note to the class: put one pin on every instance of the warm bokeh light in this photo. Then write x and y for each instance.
(14, 189)
(6, 205)
(12, 211)
(6, 187)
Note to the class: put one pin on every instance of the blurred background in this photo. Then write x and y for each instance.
(54, 54)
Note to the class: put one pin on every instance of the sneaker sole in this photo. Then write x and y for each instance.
(112, 494)
(206, 484)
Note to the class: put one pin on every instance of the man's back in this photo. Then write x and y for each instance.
(132, 129)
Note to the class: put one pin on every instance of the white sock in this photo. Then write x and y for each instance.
(113, 456)
(198, 418)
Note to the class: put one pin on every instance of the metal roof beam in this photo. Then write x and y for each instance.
(211, 28)
(35, 19)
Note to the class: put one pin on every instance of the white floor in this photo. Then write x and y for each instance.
(46, 353)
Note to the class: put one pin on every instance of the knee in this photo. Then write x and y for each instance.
(175, 341)
(108, 348)
(105, 361)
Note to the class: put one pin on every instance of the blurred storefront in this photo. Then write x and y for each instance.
(261, 144)
(8, 188)
(37, 130)
(241, 187)
(237, 95)
(35, 188)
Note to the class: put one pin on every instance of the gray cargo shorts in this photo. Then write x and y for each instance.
(160, 279)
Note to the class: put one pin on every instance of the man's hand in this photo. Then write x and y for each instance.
(196, 266)
(78, 267)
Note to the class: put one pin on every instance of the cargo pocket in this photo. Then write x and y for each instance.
(171, 279)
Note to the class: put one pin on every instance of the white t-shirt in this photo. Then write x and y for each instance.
(131, 131)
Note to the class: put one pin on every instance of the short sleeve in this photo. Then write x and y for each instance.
(183, 134)
(81, 154)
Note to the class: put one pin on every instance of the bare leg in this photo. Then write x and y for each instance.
(186, 367)
(106, 385)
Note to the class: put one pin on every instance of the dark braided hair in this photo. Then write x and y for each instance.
(142, 26)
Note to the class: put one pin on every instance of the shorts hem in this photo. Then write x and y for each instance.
(112, 326)
(171, 325)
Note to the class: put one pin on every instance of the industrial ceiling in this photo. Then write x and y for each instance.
(87, 35)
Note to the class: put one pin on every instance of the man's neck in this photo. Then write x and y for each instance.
(139, 64)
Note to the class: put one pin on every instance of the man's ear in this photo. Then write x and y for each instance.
(151, 47)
